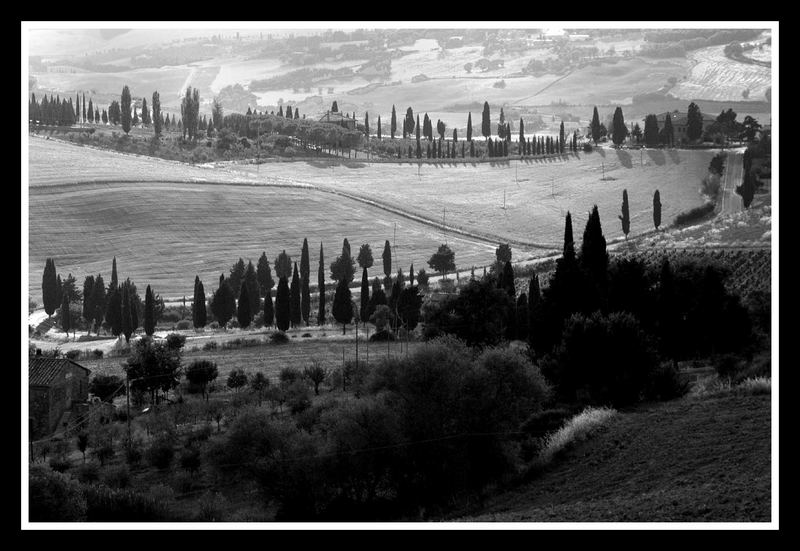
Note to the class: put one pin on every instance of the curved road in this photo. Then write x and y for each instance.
(732, 176)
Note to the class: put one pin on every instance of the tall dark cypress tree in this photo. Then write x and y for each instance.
(200, 314)
(125, 109)
(593, 260)
(243, 314)
(321, 287)
(149, 313)
(625, 217)
(364, 297)
(88, 305)
(387, 259)
(253, 291)
(656, 209)
(469, 127)
(594, 126)
(618, 128)
(486, 123)
(50, 287)
(157, 116)
(342, 305)
(694, 122)
(561, 138)
(66, 320)
(282, 305)
(114, 281)
(379, 128)
(99, 302)
(305, 274)
(269, 311)
(394, 122)
(295, 315)
(126, 323)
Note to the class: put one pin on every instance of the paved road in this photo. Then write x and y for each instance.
(732, 177)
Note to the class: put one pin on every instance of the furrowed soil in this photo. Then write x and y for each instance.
(689, 460)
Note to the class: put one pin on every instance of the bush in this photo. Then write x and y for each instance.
(278, 337)
(666, 384)
(160, 454)
(170, 316)
(97, 353)
(175, 341)
(87, 473)
(694, 215)
(59, 465)
(118, 476)
(213, 325)
(728, 366)
(210, 345)
(380, 336)
(72, 354)
(298, 397)
(54, 497)
(184, 324)
(104, 504)
(190, 460)
(545, 421)
(587, 147)
(575, 430)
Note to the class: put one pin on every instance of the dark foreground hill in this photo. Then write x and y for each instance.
(691, 460)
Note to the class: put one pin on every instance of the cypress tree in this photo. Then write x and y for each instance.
(469, 127)
(125, 109)
(594, 126)
(223, 304)
(99, 301)
(50, 287)
(694, 122)
(366, 125)
(114, 281)
(507, 281)
(157, 120)
(149, 312)
(253, 292)
(656, 209)
(669, 132)
(282, 305)
(486, 125)
(321, 288)
(747, 189)
(134, 307)
(387, 259)
(379, 128)
(651, 130)
(125, 306)
(455, 139)
(88, 306)
(66, 321)
(305, 274)
(561, 138)
(625, 217)
(59, 289)
(394, 122)
(243, 314)
(364, 297)
(269, 312)
(618, 128)
(411, 276)
(342, 305)
(295, 314)
(569, 243)
(593, 260)
(114, 311)
(135, 119)
(264, 275)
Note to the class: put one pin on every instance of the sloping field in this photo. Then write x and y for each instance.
(690, 460)
(164, 233)
(538, 193)
(716, 77)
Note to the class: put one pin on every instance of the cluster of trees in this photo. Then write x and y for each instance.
(117, 308)
(600, 327)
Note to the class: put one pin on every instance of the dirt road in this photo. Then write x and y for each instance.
(732, 177)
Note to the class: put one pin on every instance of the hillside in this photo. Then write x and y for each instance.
(670, 462)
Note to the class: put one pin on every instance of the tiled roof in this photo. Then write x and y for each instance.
(42, 371)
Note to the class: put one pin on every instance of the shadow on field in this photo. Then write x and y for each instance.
(319, 164)
(658, 156)
(674, 156)
(624, 158)
(356, 164)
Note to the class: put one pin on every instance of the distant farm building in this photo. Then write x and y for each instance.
(343, 120)
(56, 387)
(679, 122)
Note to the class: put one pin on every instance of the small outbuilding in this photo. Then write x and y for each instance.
(56, 387)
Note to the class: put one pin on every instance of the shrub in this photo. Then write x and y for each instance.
(575, 430)
(305, 335)
(72, 354)
(666, 384)
(587, 147)
(97, 353)
(59, 465)
(288, 375)
(170, 316)
(210, 345)
(184, 324)
(107, 387)
(379, 336)
(758, 385)
(694, 215)
(104, 504)
(213, 325)
(160, 454)
(298, 397)
(545, 421)
(118, 476)
(54, 497)
(87, 473)
(728, 365)
(175, 341)
(190, 460)
(278, 337)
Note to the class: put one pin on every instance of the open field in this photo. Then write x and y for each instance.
(670, 462)
(538, 192)
(164, 233)
(716, 77)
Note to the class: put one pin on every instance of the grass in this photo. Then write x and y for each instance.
(714, 386)
(576, 430)
(688, 460)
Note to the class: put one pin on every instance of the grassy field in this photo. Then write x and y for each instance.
(163, 234)
(538, 192)
(716, 77)
(689, 460)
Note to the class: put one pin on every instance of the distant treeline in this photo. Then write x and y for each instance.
(676, 42)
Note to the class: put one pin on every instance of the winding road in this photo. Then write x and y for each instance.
(731, 202)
